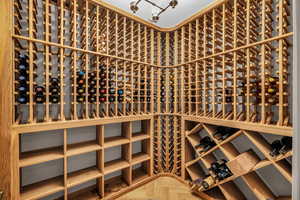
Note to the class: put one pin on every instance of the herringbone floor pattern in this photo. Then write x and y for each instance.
(163, 188)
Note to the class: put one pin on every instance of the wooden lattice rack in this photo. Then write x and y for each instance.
(229, 65)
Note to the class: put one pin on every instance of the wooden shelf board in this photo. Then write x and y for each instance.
(82, 176)
(42, 189)
(139, 137)
(264, 128)
(114, 181)
(115, 165)
(81, 148)
(138, 175)
(40, 156)
(194, 172)
(139, 157)
(280, 157)
(115, 141)
(194, 139)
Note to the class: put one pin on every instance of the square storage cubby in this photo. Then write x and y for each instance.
(196, 171)
(83, 140)
(83, 168)
(117, 134)
(140, 171)
(141, 130)
(116, 158)
(41, 147)
(42, 180)
(140, 151)
(93, 188)
(275, 180)
(116, 181)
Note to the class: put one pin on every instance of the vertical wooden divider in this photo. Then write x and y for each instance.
(30, 20)
(61, 60)
(65, 164)
(183, 109)
(116, 70)
(176, 89)
(214, 63)
(223, 61)
(152, 72)
(127, 128)
(248, 61)
(167, 75)
(87, 62)
(97, 61)
(107, 77)
(263, 67)
(47, 65)
(205, 95)
(74, 31)
(281, 65)
(197, 69)
(100, 158)
(235, 61)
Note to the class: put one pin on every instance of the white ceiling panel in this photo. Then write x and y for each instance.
(169, 18)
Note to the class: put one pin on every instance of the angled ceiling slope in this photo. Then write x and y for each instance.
(168, 19)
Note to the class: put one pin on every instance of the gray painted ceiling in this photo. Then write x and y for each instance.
(169, 18)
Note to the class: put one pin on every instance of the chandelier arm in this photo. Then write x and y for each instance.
(154, 4)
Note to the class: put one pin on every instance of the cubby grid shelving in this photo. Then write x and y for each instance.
(102, 143)
(216, 69)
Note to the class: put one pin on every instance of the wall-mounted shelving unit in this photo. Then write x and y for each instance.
(75, 64)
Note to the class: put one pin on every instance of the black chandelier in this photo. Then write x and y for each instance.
(155, 16)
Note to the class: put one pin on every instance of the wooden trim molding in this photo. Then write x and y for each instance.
(6, 144)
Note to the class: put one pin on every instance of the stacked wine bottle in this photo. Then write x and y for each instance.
(54, 90)
(92, 87)
(80, 90)
(102, 83)
(22, 79)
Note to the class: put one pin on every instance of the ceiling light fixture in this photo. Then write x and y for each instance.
(155, 16)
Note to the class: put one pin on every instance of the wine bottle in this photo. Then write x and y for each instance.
(205, 144)
(92, 99)
(206, 183)
(22, 99)
(22, 88)
(22, 67)
(102, 99)
(112, 91)
(92, 90)
(80, 98)
(80, 89)
(102, 75)
(23, 77)
(102, 82)
(120, 91)
(120, 98)
(111, 98)
(275, 148)
(287, 144)
(54, 98)
(39, 98)
(39, 94)
(92, 82)
(102, 91)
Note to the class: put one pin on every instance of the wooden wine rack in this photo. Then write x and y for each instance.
(212, 70)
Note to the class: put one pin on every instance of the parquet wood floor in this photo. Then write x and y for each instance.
(163, 188)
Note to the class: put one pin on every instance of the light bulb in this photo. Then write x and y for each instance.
(173, 3)
(134, 7)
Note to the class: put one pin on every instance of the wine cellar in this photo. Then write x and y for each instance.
(96, 103)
